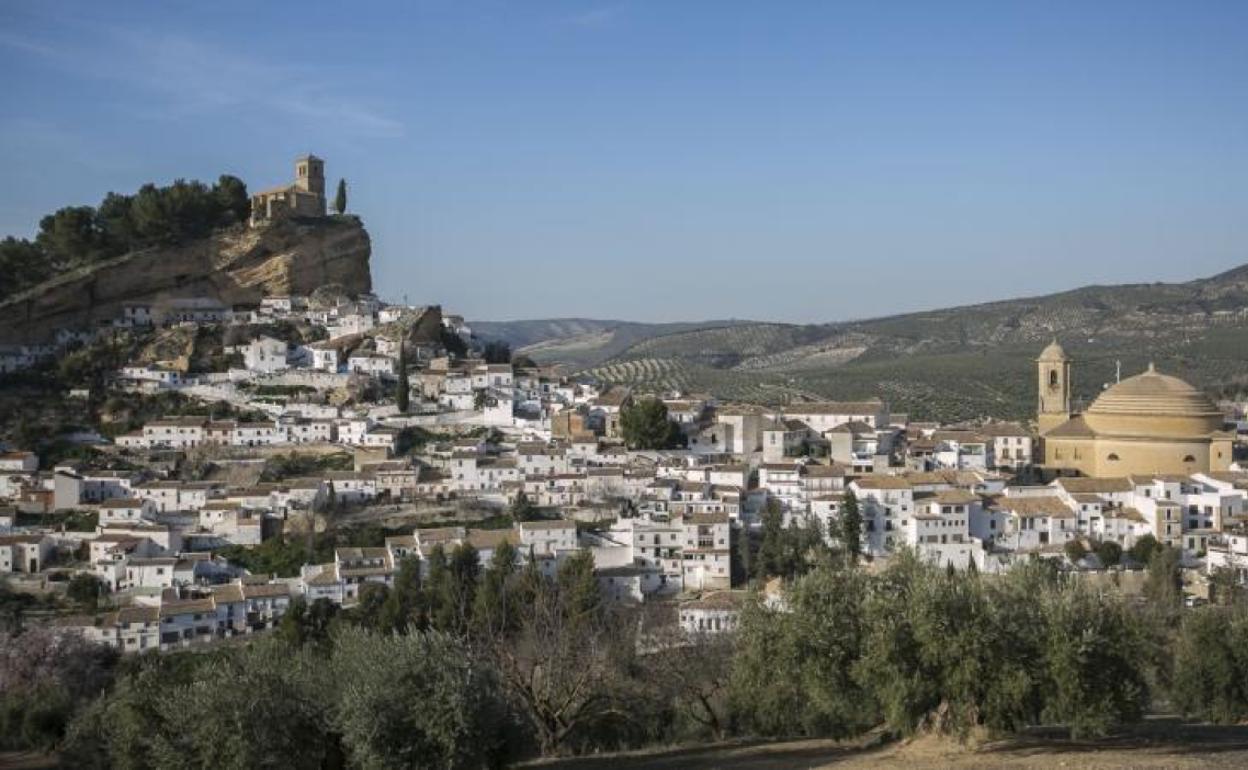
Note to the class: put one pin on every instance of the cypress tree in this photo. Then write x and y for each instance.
(851, 528)
(401, 396)
(340, 199)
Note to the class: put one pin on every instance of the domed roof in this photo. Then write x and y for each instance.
(1154, 393)
(1053, 352)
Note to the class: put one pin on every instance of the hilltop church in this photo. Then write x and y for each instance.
(303, 197)
(1151, 423)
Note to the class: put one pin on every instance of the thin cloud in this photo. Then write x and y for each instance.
(193, 78)
(27, 46)
(596, 18)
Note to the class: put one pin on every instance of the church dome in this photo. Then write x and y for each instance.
(1154, 403)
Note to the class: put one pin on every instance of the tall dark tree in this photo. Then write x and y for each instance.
(851, 527)
(452, 587)
(496, 352)
(70, 236)
(493, 610)
(340, 197)
(578, 587)
(404, 607)
(645, 425)
(770, 560)
(401, 395)
(743, 569)
(23, 264)
(231, 195)
(438, 592)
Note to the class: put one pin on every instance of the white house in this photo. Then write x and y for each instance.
(714, 613)
(265, 355)
(324, 357)
(706, 551)
(24, 553)
(372, 364)
(131, 510)
(547, 537)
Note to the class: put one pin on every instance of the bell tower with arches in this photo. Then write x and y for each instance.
(1053, 402)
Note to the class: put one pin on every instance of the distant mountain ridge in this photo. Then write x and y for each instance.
(967, 361)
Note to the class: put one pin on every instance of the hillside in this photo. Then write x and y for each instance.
(236, 266)
(580, 342)
(954, 363)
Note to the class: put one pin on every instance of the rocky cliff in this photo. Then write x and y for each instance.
(235, 267)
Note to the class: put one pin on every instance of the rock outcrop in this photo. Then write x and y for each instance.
(236, 268)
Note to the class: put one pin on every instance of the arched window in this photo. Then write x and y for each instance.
(1113, 458)
(1052, 378)
(1189, 459)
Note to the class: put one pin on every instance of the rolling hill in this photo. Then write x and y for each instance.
(949, 364)
(580, 342)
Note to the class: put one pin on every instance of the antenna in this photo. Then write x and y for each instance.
(1118, 370)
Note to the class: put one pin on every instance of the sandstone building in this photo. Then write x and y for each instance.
(303, 197)
(1151, 423)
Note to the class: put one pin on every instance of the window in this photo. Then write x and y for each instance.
(1113, 458)
(1189, 459)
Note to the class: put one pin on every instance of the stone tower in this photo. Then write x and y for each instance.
(310, 175)
(1053, 404)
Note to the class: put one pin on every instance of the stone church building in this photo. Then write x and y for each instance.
(304, 197)
(1151, 423)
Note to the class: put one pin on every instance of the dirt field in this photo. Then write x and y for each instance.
(1161, 744)
(1156, 744)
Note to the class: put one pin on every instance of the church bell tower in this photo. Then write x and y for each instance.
(310, 174)
(1053, 402)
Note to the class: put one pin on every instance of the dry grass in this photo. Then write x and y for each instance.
(1156, 743)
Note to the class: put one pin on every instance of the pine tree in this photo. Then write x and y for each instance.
(401, 395)
(490, 606)
(340, 199)
(745, 554)
(579, 592)
(439, 591)
(770, 562)
(851, 528)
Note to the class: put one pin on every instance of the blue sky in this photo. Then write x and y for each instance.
(798, 161)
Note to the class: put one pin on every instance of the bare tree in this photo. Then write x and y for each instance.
(693, 671)
(567, 671)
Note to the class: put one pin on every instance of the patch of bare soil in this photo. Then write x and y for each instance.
(1156, 744)
(26, 760)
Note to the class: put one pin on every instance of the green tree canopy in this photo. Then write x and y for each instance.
(85, 590)
(77, 236)
(420, 700)
(1109, 552)
(1210, 677)
(645, 425)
